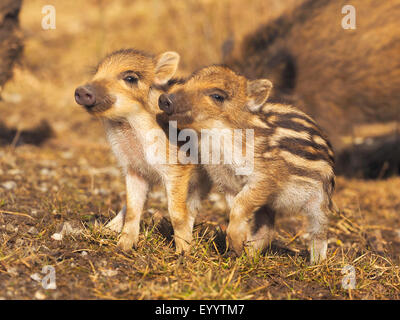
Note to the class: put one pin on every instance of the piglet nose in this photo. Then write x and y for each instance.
(165, 104)
(84, 96)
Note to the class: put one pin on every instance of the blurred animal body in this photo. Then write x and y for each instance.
(293, 161)
(330, 73)
(10, 38)
(124, 93)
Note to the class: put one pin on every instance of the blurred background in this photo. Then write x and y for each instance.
(56, 167)
(347, 79)
(55, 62)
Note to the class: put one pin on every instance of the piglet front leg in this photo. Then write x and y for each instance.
(136, 194)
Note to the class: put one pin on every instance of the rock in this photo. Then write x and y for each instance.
(33, 231)
(101, 192)
(123, 287)
(11, 228)
(19, 242)
(109, 272)
(45, 172)
(11, 97)
(69, 229)
(67, 155)
(9, 185)
(36, 277)
(14, 172)
(43, 188)
(12, 271)
(57, 236)
(40, 295)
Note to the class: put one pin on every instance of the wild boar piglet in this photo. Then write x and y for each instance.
(124, 93)
(291, 164)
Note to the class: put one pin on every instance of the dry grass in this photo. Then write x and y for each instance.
(73, 178)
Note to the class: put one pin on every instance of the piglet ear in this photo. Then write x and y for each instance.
(166, 65)
(257, 93)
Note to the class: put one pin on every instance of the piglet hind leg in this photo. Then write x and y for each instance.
(182, 219)
(317, 214)
(136, 195)
(117, 223)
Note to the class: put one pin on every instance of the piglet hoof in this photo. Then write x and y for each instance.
(117, 223)
(235, 247)
(318, 249)
(125, 243)
(235, 240)
(182, 247)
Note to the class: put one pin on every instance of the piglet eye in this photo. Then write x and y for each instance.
(131, 79)
(217, 97)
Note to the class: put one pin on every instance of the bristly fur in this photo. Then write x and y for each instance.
(328, 74)
(293, 160)
(124, 52)
(128, 110)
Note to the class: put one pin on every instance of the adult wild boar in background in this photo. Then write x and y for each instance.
(10, 43)
(341, 77)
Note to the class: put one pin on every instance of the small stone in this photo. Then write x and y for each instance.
(84, 253)
(68, 229)
(305, 236)
(14, 172)
(57, 236)
(123, 287)
(11, 228)
(33, 231)
(36, 277)
(45, 172)
(101, 192)
(39, 295)
(109, 273)
(12, 271)
(43, 188)
(67, 155)
(9, 185)
(12, 97)
(19, 242)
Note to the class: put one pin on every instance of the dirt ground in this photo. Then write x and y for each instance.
(70, 183)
